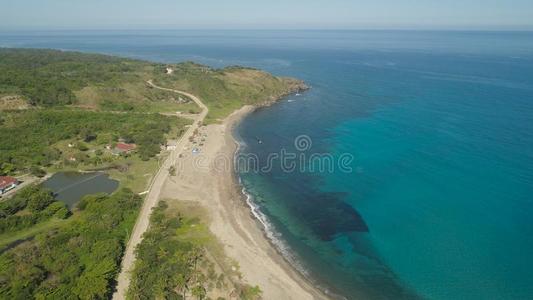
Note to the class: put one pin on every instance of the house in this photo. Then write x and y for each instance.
(171, 145)
(123, 148)
(7, 183)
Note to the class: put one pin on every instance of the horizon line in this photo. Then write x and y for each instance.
(270, 29)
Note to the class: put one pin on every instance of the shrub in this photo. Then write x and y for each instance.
(36, 171)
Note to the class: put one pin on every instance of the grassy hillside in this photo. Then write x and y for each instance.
(227, 89)
(51, 78)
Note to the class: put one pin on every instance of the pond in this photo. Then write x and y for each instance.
(71, 187)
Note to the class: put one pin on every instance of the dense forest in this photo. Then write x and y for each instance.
(51, 77)
(78, 260)
(28, 207)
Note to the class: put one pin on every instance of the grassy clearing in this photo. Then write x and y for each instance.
(170, 107)
(12, 102)
(132, 97)
(13, 236)
(139, 173)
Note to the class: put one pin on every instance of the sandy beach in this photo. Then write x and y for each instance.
(207, 179)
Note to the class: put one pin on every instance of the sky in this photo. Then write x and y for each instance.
(266, 14)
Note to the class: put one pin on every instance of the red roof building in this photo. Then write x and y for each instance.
(7, 183)
(123, 147)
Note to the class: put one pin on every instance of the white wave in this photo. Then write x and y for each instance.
(273, 236)
(275, 239)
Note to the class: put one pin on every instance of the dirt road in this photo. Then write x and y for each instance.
(152, 198)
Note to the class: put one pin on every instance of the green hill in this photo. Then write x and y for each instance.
(52, 78)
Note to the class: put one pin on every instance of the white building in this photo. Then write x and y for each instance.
(7, 183)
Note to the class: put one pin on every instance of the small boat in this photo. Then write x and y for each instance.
(259, 141)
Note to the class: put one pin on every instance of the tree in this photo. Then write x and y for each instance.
(172, 171)
(250, 293)
(82, 146)
(75, 260)
(181, 284)
(36, 171)
(199, 292)
(94, 282)
(7, 168)
(50, 155)
(39, 199)
(87, 134)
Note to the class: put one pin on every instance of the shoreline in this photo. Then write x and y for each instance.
(289, 267)
(230, 218)
(286, 260)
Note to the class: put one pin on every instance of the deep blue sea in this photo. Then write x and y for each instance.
(438, 203)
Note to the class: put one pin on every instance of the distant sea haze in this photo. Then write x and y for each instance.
(438, 202)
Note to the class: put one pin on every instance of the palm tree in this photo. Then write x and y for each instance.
(199, 291)
(182, 285)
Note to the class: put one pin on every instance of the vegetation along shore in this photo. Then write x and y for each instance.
(189, 233)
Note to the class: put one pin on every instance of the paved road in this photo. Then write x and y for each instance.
(152, 198)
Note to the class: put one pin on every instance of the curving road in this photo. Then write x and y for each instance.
(152, 198)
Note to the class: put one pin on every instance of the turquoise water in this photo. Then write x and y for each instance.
(438, 203)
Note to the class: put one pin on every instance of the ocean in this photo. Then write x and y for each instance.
(436, 198)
